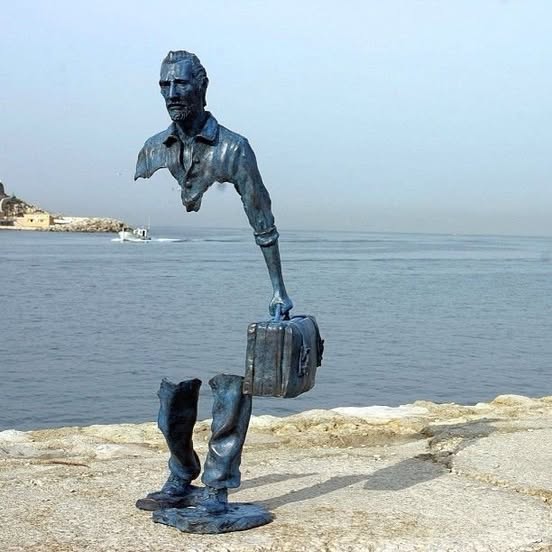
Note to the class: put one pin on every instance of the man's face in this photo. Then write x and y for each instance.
(180, 90)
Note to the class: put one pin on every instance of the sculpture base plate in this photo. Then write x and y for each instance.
(239, 516)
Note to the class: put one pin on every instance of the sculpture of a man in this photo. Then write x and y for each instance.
(199, 152)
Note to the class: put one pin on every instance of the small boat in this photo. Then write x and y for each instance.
(140, 234)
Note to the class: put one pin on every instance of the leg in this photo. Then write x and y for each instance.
(213, 514)
(177, 417)
(231, 414)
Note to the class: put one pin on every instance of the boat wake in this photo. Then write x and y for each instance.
(169, 240)
(150, 240)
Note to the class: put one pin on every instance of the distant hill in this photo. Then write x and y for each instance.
(12, 206)
(17, 214)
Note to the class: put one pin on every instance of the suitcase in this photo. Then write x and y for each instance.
(282, 357)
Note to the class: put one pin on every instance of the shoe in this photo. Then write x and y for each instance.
(175, 493)
(214, 501)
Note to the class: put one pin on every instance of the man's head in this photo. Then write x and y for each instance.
(183, 83)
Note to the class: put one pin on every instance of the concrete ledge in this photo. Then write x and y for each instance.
(426, 476)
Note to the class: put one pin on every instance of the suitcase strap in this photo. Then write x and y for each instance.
(304, 359)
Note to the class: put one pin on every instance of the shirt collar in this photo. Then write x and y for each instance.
(208, 132)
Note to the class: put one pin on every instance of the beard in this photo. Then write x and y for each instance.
(180, 112)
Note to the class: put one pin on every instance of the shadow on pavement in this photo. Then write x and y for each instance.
(446, 440)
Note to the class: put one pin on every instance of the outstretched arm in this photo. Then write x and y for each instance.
(257, 205)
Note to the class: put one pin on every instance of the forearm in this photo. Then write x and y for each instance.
(271, 255)
(267, 240)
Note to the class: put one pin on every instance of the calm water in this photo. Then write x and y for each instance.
(90, 326)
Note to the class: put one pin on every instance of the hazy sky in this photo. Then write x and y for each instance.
(389, 115)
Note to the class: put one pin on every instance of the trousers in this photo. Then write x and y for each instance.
(231, 415)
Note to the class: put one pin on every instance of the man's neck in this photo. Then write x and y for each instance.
(192, 125)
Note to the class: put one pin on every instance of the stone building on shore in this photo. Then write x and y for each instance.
(16, 214)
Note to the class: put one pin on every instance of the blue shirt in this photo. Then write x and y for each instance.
(215, 154)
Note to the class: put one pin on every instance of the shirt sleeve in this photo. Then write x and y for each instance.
(142, 165)
(152, 157)
(255, 197)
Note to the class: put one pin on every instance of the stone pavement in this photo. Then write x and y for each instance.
(419, 477)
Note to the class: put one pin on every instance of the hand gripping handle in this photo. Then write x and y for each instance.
(278, 314)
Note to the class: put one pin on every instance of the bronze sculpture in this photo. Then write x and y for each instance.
(198, 152)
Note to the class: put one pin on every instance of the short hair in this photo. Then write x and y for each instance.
(198, 70)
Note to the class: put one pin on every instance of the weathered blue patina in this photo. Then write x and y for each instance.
(199, 152)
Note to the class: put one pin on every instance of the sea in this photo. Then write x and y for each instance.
(90, 326)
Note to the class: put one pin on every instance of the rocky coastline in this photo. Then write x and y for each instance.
(17, 214)
(75, 224)
(89, 224)
(426, 476)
